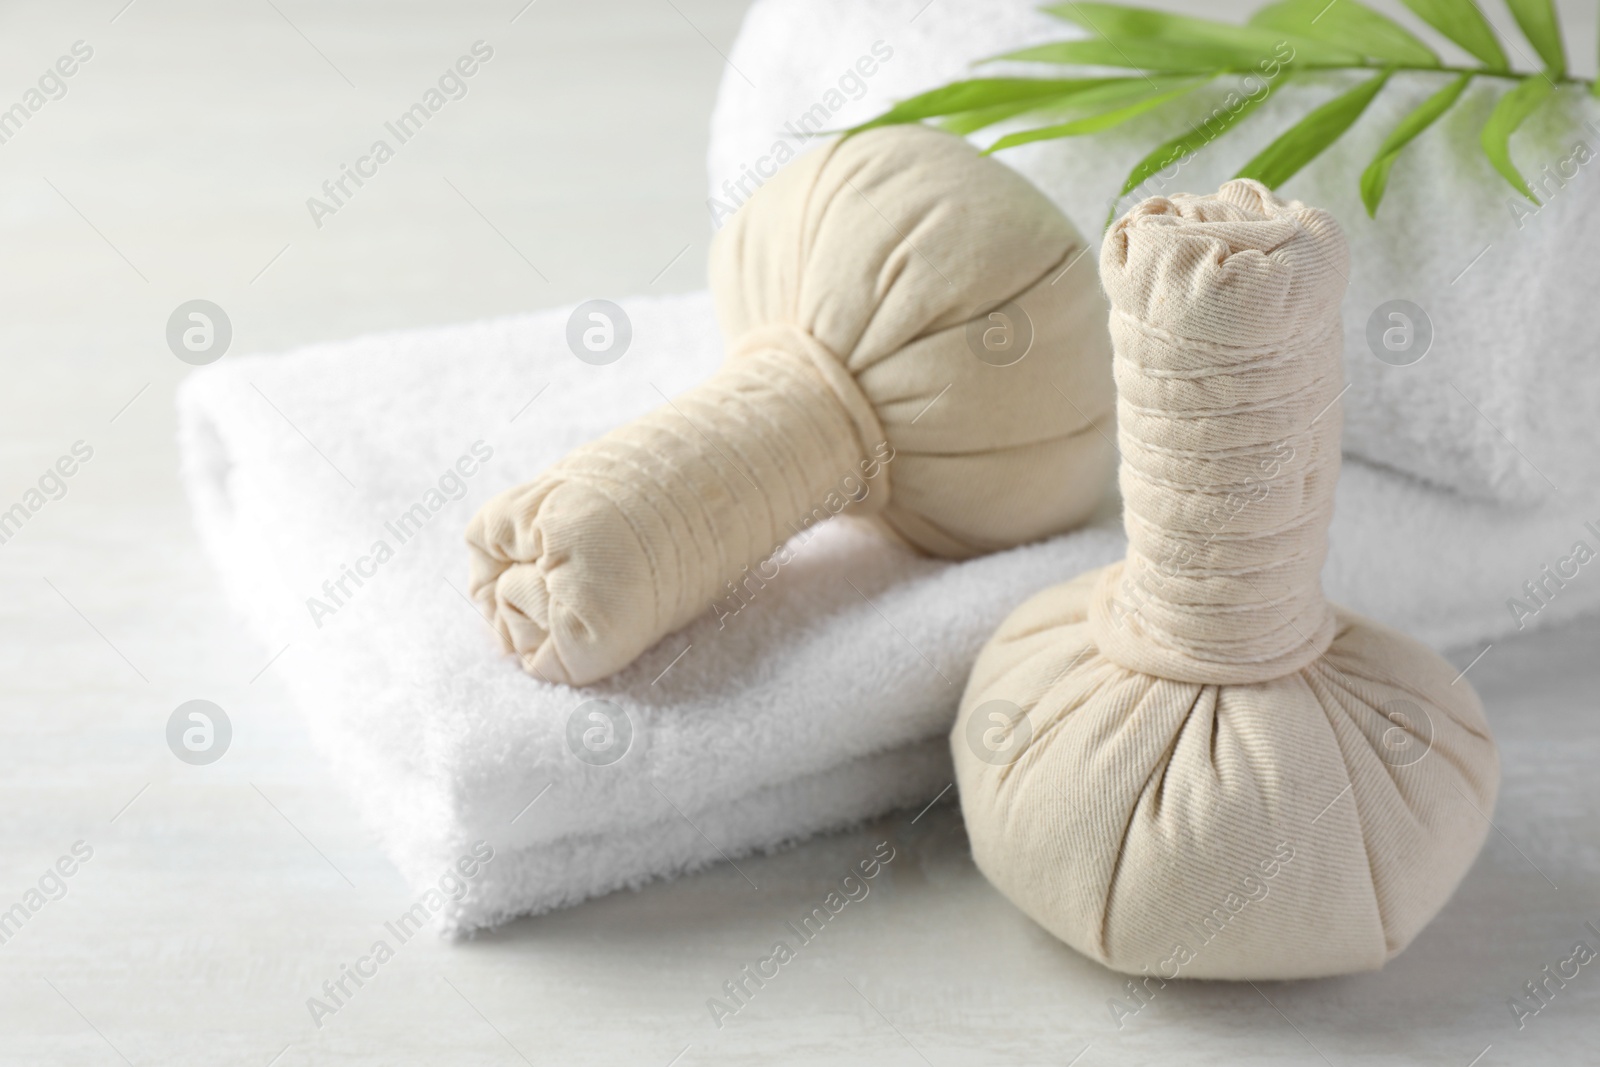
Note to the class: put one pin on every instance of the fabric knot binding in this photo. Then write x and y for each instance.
(786, 342)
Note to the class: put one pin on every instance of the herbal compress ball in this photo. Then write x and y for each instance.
(1189, 764)
(904, 318)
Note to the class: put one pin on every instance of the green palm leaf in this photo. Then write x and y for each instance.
(1116, 22)
(1105, 120)
(1166, 56)
(1306, 139)
(1348, 24)
(1463, 23)
(1537, 21)
(1509, 113)
(1375, 179)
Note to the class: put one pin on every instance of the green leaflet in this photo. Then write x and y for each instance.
(1093, 100)
(968, 106)
(965, 122)
(1115, 93)
(1375, 179)
(1116, 22)
(1169, 57)
(1221, 120)
(983, 93)
(1306, 139)
(1537, 21)
(1463, 23)
(1104, 120)
(1509, 113)
(1348, 24)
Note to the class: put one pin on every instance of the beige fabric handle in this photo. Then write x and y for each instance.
(854, 289)
(1229, 435)
(671, 505)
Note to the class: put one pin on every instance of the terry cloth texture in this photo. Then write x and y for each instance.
(1190, 763)
(857, 292)
(799, 707)
(1507, 393)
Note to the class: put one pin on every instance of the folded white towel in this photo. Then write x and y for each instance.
(820, 703)
(1502, 407)
(823, 701)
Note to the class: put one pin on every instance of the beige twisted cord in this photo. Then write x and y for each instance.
(851, 288)
(1189, 764)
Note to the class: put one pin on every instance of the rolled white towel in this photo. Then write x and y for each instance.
(1501, 407)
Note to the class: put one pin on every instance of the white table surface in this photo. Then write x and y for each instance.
(219, 898)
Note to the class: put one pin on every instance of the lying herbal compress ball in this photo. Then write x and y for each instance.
(905, 319)
(1190, 764)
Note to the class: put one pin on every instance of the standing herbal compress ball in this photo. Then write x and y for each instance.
(911, 340)
(1189, 764)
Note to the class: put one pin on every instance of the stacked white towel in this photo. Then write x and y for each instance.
(823, 702)
(1503, 405)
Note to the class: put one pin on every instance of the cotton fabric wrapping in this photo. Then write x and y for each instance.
(1189, 764)
(855, 290)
